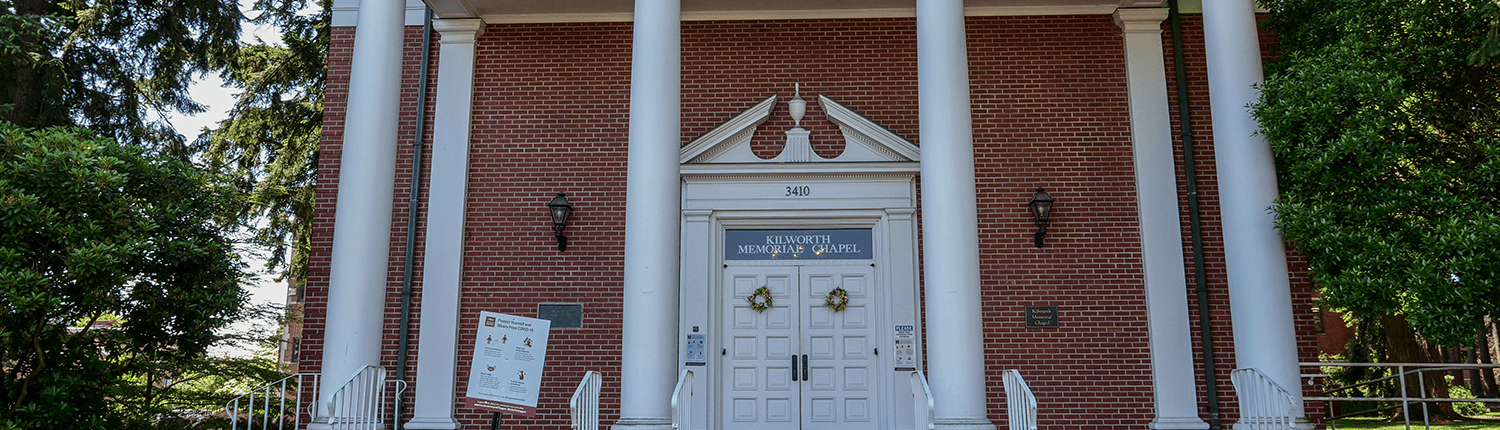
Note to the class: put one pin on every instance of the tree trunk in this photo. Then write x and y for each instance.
(1487, 356)
(1456, 355)
(24, 89)
(1476, 380)
(1402, 346)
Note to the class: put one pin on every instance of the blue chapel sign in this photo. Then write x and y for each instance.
(840, 244)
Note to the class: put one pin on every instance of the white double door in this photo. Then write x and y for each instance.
(799, 364)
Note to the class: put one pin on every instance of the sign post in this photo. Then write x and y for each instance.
(505, 374)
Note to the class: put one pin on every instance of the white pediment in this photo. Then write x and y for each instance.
(864, 140)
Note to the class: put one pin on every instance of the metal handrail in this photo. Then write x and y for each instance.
(921, 400)
(1403, 370)
(1264, 405)
(1019, 401)
(584, 405)
(682, 415)
(359, 403)
(279, 392)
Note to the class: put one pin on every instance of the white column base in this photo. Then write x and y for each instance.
(642, 424)
(1177, 423)
(963, 424)
(432, 423)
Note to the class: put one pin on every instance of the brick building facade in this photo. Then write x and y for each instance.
(549, 110)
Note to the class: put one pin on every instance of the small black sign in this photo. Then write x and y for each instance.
(561, 315)
(1041, 316)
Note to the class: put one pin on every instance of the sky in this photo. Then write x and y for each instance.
(210, 91)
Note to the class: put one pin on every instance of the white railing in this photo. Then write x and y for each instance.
(1019, 401)
(922, 406)
(360, 403)
(1264, 405)
(584, 406)
(275, 406)
(682, 409)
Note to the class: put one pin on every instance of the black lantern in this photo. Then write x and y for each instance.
(561, 210)
(1041, 210)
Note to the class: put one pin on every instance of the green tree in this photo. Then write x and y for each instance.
(1384, 117)
(1385, 137)
(92, 230)
(113, 66)
(269, 142)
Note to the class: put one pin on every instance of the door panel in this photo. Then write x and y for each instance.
(759, 347)
(834, 385)
(841, 392)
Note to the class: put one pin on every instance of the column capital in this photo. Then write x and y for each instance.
(465, 30)
(1140, 20)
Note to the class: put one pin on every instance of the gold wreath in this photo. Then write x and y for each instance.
(837, 299)
(760, 300)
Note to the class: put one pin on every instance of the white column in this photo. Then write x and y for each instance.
(1174, 389)
(442, 270)
(1259, 288)
(950, 224)
(362, 224)
(648, 358)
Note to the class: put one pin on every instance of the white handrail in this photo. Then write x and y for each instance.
(360, 402)
(682, 414)
(921, 400)
(278, 392)
(584, 405)
(1264, 405)
(1019, 401)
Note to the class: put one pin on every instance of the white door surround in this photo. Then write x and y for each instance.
(871, 186)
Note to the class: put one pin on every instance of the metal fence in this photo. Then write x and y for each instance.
(1393, 382)
(277, 405)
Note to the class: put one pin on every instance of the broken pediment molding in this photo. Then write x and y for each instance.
(864, 140)
(730, 141)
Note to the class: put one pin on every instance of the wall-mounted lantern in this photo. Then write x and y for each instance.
(561, 210)
(1041, 210)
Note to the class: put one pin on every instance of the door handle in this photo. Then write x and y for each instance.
(794, 367)
(805, 374)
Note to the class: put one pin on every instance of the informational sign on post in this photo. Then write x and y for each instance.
(506, 372)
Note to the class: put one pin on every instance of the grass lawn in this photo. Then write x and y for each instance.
(1489, 421)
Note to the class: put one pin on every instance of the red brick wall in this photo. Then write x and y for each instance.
(1050, 109)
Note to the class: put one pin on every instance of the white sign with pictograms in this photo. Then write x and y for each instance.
(506, 373)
